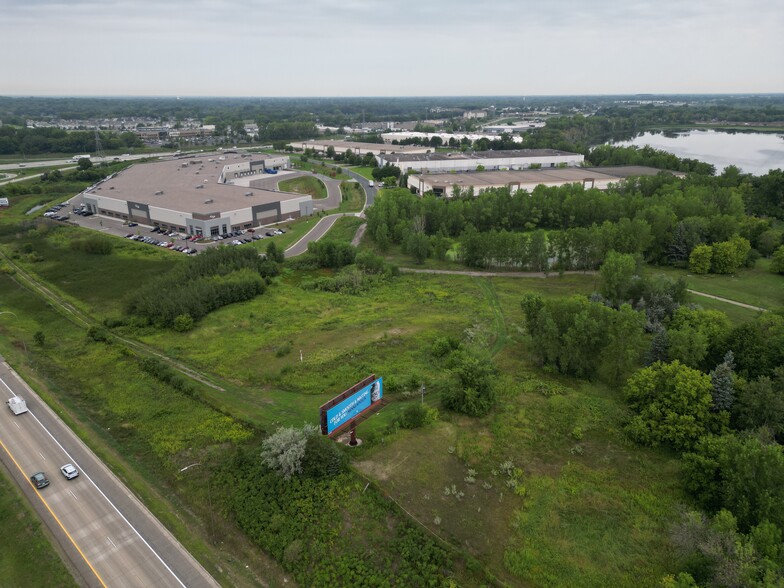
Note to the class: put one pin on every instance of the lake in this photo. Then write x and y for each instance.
(755, 153)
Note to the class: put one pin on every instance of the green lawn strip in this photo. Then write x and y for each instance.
(499, 324)
(305, 185)
(757, 286)
(344, 229)
(736, 314)
(28, 557)
(353, 197)
(326, 169)
(365, 172)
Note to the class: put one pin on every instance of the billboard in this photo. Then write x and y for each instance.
(353, 402)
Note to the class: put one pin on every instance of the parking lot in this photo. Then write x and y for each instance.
(70, 211)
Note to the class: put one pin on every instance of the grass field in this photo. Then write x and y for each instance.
(545, 491)
(353, 197)
(305, 185)
(319, 168)
(365, 172)
(757, 286)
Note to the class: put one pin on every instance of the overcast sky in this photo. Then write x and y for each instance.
(389, 47)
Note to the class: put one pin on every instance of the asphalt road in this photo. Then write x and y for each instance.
(316, 233)
(63, 162)
(110, 538)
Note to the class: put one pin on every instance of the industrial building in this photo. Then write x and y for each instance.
(356, 147)
(254, 164)
(191, 195)
(589, 177)
(512, 159)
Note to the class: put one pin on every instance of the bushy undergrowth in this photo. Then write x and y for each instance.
(310, 524)
(93, 245)
(216, 278)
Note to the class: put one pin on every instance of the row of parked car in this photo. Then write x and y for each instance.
(82, 212)
(167, 244)
(55, 214)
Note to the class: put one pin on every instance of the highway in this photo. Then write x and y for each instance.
(108, 536)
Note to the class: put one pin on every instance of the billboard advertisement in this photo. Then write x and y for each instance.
(353, 405)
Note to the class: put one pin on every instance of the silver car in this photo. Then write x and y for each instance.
(69, 471)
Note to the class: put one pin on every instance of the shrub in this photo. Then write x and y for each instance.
(672, 405)
(183, 323)
(700, 259)
(284, 451)
(417, 415)
(473, 393)
(93, 245)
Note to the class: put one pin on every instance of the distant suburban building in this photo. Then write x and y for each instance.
(444, 184)
(257, 164)
(518, 127)
(356, 147)
(474, 114)
(490, 160)
(445, 137)
(188, 196)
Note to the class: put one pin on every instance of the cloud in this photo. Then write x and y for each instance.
(318, 47)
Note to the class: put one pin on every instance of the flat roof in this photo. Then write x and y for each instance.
(173, 185)
(535, 177)
(461, 156)
(362, 146)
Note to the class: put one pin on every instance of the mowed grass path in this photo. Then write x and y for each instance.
(756, 286)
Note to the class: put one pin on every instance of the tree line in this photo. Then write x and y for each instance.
(191, 290)
(39, 141)
(663, 218)
(711, 391)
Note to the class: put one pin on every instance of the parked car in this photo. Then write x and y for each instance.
(133, 224)
(69, 471)
(40, 480)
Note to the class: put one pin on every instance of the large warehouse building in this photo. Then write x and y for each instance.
(589, 177)
(356, 147)
(253, 164)
(188, 196)
(490, 160)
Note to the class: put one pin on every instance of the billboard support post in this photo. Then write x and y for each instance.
(353, 442)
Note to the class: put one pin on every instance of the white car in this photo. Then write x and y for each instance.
(69, 471)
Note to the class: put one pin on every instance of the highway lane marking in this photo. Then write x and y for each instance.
(54, 516)
(112, 542)
(72, 494)
(9, 387)
(42, 456)
(117, 510)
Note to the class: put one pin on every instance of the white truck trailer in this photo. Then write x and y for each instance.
(17, 405)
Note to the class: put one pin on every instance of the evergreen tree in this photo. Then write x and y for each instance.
(723, 382)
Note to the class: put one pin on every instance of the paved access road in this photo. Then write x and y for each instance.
(109, 536)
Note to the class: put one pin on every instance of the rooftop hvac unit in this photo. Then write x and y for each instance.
(208, 201)
(248, 193)
(200, 187)
(159, 192)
